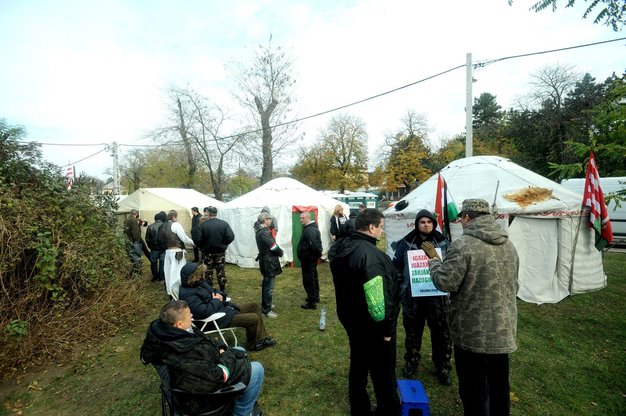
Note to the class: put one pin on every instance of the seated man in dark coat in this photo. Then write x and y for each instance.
(204, 301)
(195, 363)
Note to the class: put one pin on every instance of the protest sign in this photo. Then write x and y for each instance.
(419, 274)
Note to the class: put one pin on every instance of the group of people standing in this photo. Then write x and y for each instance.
(166, 240)
(472, 314)
(475, 310)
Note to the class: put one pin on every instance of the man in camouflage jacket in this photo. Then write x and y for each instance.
(480, 272)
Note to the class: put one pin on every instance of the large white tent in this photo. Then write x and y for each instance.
(285, 197)
(150, 201)
(556, 249)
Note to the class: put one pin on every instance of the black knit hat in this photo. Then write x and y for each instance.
(426, 213)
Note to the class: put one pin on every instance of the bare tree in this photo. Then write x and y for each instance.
(264, 87)
(203, 124)
(552, 83)
(132, 167)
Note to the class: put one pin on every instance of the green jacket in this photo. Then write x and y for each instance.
(480, 272)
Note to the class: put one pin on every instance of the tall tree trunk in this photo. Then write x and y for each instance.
(182, 129)
(266, 144)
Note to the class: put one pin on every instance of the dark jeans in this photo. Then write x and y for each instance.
(196, 254)
(156, 264)
(135, 256)
(310, 280)
(267, 289)
(371, 354)
(431, 310)
(483, 382)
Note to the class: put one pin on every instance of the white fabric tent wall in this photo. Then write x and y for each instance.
(150, 201)
(280, 195)
(546, 234)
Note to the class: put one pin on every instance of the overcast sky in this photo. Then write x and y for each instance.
(91, 72)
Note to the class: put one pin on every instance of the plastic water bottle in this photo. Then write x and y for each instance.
(323, 319)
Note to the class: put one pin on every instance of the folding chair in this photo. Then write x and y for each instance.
(211, 321)
(175, 402)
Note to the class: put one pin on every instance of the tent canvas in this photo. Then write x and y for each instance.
(150, 201)
(283, 196)
(556, 250)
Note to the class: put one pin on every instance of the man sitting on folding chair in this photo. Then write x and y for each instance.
(198, 365)
(204, 301)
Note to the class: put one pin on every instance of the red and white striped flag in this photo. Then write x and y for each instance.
(69, 176)
(445, 208)
(593, 198)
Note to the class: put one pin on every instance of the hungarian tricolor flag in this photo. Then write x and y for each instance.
(445, 208)
(593, 198)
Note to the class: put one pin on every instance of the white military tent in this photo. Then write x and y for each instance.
(557, 253)
(150, 201)
(286, 198)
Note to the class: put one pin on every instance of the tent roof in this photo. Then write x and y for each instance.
(282, 191)
(165, 199)
(480, 176)
(280, 195)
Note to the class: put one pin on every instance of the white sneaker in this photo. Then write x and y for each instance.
(271, 314)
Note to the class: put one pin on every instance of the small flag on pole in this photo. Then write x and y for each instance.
(593, 198)
(445, 208)
(69, 176)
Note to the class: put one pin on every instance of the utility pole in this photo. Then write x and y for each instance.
(468, 105)
(116, 170)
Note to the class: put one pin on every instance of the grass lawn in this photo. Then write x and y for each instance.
(571, 359)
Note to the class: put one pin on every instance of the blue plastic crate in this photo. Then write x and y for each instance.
(413, 397)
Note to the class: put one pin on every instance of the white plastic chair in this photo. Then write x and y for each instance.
(213, 318)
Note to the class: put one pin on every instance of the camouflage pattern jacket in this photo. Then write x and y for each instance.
(480, 272)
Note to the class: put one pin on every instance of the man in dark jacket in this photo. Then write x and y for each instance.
(214, 237)
(132, 229)
(195, 363)
(309, 252)
(157, 248)
(195, 232)
(367, 306)
(418, 308)
(204, 301)
(269, 263)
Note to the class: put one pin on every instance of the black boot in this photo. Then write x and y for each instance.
(443, 375)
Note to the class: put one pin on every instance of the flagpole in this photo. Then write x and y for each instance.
(570, 285)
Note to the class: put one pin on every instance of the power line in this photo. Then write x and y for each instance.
(85, 158)
(491, 61)
(483, 63)
(297, 120)
(64, 144)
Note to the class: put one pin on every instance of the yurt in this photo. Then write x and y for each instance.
(286, 198)
(149, 201)
(543, 219)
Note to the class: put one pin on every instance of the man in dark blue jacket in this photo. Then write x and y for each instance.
(367, 306)
(418, 309)
(309, 252)
(157, 247)
(204, 301)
